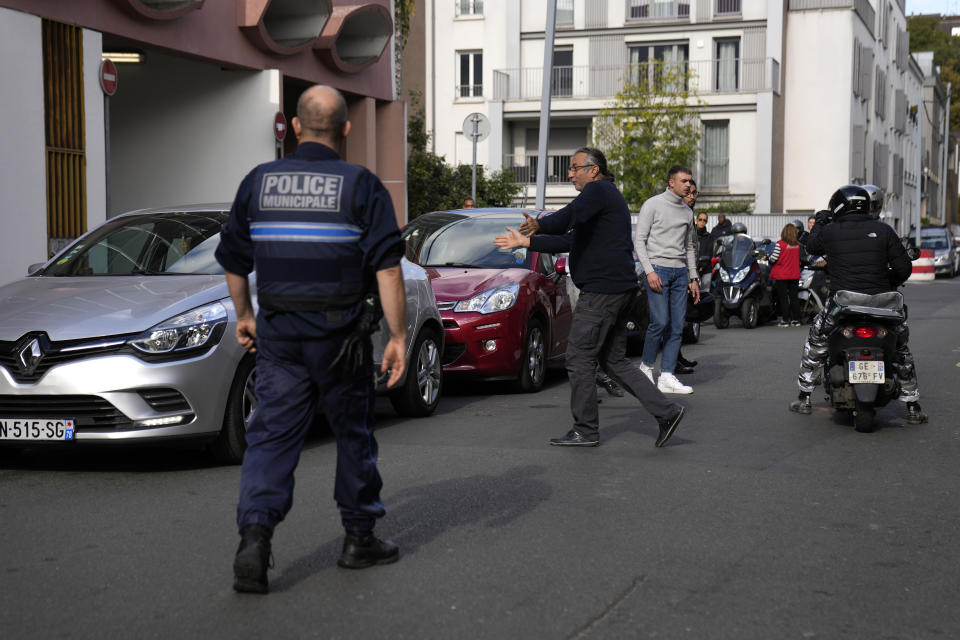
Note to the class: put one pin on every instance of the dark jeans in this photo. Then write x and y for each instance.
(599, 335)
(787, 289)
(292, 384)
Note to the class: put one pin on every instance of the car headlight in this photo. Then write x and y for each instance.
(940, 259)
(491, 300)
(196, 329)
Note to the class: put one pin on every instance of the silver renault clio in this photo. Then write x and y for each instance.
(128, 335)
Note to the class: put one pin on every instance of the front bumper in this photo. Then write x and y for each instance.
(468, 335)
(119, 397)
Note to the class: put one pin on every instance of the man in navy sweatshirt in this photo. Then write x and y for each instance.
(602, 266)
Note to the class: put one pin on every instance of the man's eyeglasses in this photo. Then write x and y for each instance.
(701, 219)
(576, 167)
(694, 192)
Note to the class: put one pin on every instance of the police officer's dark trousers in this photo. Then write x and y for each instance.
(292, 384)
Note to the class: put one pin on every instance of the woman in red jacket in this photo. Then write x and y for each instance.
(786, 273)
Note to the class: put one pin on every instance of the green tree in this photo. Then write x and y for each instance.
(924, 36)
(433, 185)
(649, 126)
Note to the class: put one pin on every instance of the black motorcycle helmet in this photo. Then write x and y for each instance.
(876, 200)
(799, 225)
(738, 227)
(851, 198)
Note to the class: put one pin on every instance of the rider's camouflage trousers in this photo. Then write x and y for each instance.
(815, 354)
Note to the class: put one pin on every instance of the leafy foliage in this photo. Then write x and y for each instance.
(650, 126)
(433, 185)
(924, 36)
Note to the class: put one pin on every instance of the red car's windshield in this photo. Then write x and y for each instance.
(443, 240)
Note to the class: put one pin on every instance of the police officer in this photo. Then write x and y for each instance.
(866, 256)
(322, 236)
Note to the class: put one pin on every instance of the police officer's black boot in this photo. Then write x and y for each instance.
(802, 404)
(362, 550)
(252, 560)
(914, 414)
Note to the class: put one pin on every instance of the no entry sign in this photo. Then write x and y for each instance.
(108, 77)
(280, 126)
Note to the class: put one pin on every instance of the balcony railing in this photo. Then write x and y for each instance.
(525, 168)
(863, 8)
(653, 10)
(726, 8)
(730, 75)
(469, 90)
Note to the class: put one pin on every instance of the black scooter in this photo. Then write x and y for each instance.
(859, 373)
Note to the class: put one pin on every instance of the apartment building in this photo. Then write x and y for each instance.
(795, 97)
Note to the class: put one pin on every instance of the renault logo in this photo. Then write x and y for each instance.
(30, 356)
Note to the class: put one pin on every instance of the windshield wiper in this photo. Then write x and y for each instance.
(457, 264)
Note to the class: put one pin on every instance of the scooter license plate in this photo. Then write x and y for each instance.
(866, 372)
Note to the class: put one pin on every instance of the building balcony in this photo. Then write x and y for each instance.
(657, 10)
(524, 168)
(704, 77)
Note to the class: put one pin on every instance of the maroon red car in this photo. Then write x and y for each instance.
(506, 312)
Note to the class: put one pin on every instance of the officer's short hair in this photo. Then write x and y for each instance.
(678, 168)
(321, 121)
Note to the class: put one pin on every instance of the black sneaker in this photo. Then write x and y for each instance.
(802, 404)
(362, 550)
(612, 388)
(914, 414)
(683, 362)
(574, 439)
(252, 560)
(668, 425)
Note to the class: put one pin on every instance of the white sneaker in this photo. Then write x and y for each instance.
(647, 371)
(669, 384)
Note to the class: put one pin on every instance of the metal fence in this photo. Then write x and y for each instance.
(524, 168)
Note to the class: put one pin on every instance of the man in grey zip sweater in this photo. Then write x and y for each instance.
(666, 244)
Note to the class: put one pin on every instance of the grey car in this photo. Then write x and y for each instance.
(127, 335)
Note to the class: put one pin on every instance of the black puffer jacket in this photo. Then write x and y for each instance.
(863, 254)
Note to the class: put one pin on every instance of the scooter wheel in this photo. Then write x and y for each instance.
(864, 418)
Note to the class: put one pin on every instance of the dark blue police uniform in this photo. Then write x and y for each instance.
(316, 229)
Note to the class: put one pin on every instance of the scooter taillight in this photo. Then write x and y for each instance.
(864, 332)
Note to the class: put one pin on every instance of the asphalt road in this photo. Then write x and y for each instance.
(752, 523)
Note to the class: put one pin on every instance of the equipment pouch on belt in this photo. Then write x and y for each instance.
(350, 358)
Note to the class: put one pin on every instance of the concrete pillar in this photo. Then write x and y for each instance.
(391, 167)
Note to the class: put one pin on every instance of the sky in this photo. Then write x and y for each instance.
(945, 7)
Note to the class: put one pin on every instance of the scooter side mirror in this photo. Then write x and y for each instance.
(913, 252)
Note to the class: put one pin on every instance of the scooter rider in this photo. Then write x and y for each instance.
(866, 256)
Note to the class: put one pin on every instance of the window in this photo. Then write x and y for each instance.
(564, 13)
(728, 7)
(716, 155)
(651, 63)
(657, 9)
(561, 81)
(728, 65)
(470, 84)
(469, 7)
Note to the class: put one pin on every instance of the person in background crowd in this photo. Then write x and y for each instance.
(666, 246)
(319, 259)
(785, 273)
(812, 220)
(468, 204)
(722, 228)
(603, 269)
